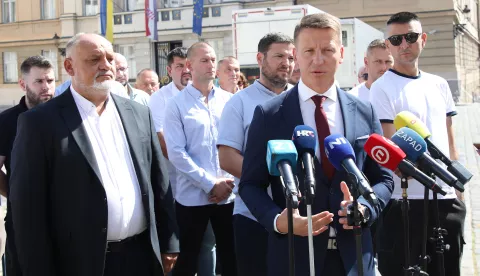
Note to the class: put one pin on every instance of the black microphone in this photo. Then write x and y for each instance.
(305, 141)
(415, 148)
(340, 154)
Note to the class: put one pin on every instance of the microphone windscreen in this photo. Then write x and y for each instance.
(305, 139)
(410, 142)
(408, 119)
(383, 151)
(337, 149)
(280, 150)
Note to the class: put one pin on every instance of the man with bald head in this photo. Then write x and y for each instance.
(203, 190)
(147, 80)
(228, 73)
(94, 197)
(121, 76)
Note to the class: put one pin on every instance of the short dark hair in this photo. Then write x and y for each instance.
(318, 21)
(35, 61)
(402, 18)
(377, 44)
(270, 38)
(180, 52)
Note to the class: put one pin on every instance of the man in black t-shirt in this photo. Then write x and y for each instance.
(38, 82)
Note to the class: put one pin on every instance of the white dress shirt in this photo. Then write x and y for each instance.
(126, 216)
(158, 104)
(191, 134)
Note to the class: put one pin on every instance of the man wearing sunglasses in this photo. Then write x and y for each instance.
(405, 87)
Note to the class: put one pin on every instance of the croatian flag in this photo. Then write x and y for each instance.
(151, 19)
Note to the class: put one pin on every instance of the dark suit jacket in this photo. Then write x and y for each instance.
(277, 119)
(60, 217)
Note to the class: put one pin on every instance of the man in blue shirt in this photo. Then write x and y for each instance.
(203, 191)
(275, 60)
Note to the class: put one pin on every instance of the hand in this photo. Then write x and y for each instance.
(300, 224)
(168, 262)
(347, 200)
(222, 190)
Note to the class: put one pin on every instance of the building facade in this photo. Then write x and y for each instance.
(31, 27)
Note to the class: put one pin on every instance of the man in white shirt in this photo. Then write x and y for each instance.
(275, 60)
(203, 190)
(228, 73)
(147, 81)
(180, 74)
(121, 76)
(406, 88)
(318, 103)
(93, 198)
(377, 62)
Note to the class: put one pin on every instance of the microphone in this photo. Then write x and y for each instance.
(282, 161)
(407, 119)
(388, 154)
(305, 141)
(340, 154)
(415, 148)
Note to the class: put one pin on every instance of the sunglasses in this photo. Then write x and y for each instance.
(409, 38)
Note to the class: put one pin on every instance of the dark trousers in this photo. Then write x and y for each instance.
(390, 244)
(12, 265)
(251, 243)
(333, 264)
(134, 258)
(192, 222)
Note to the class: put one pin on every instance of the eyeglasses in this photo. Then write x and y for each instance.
(397, 39)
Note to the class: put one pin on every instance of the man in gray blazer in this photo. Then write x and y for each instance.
(89, 184)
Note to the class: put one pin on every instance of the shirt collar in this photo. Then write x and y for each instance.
(174, 88)
(264, 89)
(197, 94)
(23, 104)
(305, 92)
(87, 106)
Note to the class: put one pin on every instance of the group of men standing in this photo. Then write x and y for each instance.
(100, 185)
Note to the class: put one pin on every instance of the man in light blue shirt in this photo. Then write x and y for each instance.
(121, 76)
(203, 189)
(275, 60)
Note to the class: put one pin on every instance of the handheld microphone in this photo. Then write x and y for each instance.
(305, 141)
(282, 161)
(415, 148)
(340, 154)
(388, 154)
(407, 119)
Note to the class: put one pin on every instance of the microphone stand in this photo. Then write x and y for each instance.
(424, 258)
(437, 238)
(354, 220)
(407, 269)
(309, 195)
(292, 203)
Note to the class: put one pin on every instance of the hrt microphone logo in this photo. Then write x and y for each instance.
(305, 133)
(380, 154)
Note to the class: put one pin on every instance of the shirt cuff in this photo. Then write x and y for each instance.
(208, 183)
(275, 225)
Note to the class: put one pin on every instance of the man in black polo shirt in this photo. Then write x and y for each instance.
(38, 82)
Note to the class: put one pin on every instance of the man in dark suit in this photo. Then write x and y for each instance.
(316, 102)
(89, 186)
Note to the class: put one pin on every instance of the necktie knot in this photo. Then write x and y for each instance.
(319, 100)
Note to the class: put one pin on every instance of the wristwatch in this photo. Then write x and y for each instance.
(365, 216)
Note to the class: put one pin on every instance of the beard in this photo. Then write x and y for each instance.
(272, 76)
(33, 98)
(102, 88)
(185, 79)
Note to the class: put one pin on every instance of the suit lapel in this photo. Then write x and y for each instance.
(291, 109)
(74, 123)
(348, 108)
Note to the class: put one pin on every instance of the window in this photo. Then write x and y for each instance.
(129, 52)
(48, 9)
(10, 70)
(52, 56)
(91, 7)
(124, 5)
(8, 11)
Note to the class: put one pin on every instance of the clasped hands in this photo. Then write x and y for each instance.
(320, 221)
(221, 190)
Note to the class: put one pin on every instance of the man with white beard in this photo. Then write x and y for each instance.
(89, 184)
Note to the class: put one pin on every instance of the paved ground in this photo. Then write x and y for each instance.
(467, 129)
